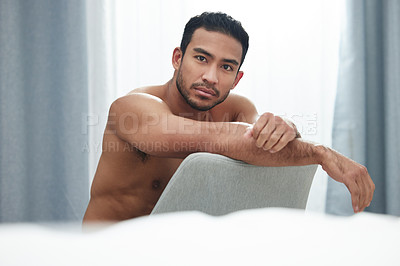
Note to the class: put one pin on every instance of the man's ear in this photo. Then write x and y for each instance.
(177, 58)
(237, 79)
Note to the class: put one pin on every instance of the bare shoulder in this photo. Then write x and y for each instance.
(152, 90)
(139, 103)
(237, 99)
(243, 108)
(142, 99)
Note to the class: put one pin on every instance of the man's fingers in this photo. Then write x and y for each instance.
(274, 139)
(355, 195)
(282, 135)
(283, 141)
(366, 187)
(372, 190)
(363, 194)
(355, 200)
(361, 188)
(264, 136)
(369, 186)
(272, 132)
(262, 121)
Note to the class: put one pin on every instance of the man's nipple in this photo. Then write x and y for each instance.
(156, 184)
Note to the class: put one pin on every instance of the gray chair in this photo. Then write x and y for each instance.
(218, 185)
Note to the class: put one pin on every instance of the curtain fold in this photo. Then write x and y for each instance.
(367, 112)
(43, 102)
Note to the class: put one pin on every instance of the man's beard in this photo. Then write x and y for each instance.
(180, 84)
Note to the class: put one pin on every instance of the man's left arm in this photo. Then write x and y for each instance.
(276, 135)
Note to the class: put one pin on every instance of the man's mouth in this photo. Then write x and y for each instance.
(205, 91)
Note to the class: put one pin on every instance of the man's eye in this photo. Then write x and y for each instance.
(227, 67)
(201, 58)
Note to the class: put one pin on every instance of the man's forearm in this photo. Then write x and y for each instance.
(297, 152)
(232, 143)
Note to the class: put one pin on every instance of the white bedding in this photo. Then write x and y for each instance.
(252, 237)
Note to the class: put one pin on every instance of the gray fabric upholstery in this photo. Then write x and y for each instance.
(217, 185)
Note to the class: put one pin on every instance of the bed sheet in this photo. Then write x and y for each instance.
(251, 237)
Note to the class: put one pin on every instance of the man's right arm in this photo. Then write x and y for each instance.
(147, 123)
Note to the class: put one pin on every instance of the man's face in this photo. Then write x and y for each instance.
(209, 69)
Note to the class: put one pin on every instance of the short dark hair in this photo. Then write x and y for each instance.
(219, 22)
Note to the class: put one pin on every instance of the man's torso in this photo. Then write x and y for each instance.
(128, 182)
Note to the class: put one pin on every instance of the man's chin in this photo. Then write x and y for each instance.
(201, 107)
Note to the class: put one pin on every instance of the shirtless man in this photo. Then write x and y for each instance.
(151, 130)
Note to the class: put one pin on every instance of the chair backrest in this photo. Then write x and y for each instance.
(217, 185)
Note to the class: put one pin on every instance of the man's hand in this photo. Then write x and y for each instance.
(354, 175)
(272, 132)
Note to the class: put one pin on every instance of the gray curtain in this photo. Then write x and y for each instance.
(367, 113)
(43, 102)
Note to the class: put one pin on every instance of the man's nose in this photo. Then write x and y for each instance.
(210, 75)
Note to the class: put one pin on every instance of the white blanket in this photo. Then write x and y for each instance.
(251, 237)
